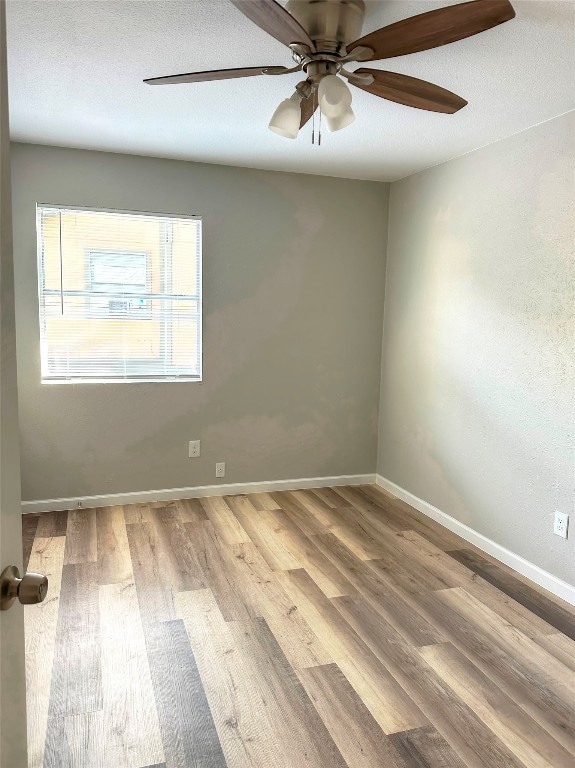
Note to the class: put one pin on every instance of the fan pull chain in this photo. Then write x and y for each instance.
(319, 131)
(313, 106)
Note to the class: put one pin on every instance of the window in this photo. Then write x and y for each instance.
(120, 296)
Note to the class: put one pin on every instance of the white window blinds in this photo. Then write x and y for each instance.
(120, 295)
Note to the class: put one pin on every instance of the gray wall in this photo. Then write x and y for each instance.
(293, 308)
(477, 409)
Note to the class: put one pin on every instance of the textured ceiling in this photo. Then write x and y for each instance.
(76, 70)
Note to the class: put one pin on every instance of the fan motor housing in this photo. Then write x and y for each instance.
(329, 23)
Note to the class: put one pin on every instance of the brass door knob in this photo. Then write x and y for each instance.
(29, 589)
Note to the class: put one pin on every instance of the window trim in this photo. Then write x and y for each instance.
(133, 378)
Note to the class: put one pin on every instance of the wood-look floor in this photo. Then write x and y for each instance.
(306, 629)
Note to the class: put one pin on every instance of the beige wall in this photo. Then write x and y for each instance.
(478, 375)
(293, 307)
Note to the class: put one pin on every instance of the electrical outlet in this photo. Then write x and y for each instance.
(194, 449)
(221, 469)
(561, 525)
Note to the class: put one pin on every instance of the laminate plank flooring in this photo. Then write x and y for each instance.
(523, 594)
(29, 526)
(127, 691)
(425, 747)
(362, 743)
(114, 562)
(319, 628)
(52, 524)
(503, 716)
(47, 557)
(81, 538)
(187, 727)
(77, 674)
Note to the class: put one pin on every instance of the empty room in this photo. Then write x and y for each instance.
(287, 384)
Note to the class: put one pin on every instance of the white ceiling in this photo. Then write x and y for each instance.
(76, 69)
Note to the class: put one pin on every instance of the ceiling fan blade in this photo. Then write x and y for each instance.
(308, 107)
(275, 20)
(410, 91)
(215, 74)
(435, 28)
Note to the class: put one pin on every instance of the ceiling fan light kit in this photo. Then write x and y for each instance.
(333, 95)
(340, 121)
(287, 117)
(324, 36)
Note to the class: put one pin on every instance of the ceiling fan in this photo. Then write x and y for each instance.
(324, 36)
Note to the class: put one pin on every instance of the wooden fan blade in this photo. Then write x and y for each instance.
(275, 20)
(410, 91)
(308, 107)
(435, 28)
(214, 74)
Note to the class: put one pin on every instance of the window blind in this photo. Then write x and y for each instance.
(119, 295)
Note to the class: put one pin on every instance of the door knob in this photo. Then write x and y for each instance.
(29, 589)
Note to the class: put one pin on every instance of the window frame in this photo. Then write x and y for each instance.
(153, 378)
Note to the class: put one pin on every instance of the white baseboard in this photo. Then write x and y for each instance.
(543, 578)
(167, 494)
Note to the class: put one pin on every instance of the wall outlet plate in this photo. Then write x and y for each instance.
(221, 469)
(194, 449)
(561, 525)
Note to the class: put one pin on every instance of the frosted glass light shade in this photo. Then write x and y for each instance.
(341, 121)
(287, 117)
(334, 97)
